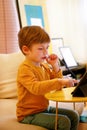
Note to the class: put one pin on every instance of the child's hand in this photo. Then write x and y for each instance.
(69, 82)
(52, 59)
(54, 62)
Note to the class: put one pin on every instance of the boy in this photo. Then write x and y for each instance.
(35, 79)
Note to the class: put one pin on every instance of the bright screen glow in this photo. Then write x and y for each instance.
(68, 57)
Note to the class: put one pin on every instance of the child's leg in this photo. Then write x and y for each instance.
(47, 120)
(71, 114)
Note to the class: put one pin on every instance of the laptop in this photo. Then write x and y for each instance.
(68, 58)
(81, 88)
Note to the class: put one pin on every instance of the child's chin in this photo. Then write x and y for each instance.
(42, 60)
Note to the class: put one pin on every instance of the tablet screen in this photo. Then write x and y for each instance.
(68, 56)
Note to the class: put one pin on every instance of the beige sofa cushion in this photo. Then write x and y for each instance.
(8, 70)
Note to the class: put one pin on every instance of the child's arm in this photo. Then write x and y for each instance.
(54, 62)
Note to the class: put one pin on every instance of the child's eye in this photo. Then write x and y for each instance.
(40, 48)
(47, 47)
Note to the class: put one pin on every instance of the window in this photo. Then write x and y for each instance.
(9, 26)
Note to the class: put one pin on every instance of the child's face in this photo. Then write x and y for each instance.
(38, 52)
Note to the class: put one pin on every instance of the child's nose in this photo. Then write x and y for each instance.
(45, 52)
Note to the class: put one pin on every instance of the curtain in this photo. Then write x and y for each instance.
(9, 26)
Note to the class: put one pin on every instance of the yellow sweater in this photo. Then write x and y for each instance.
(33, 83)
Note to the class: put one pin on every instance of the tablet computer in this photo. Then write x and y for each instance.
(81, 88)
(68, 57)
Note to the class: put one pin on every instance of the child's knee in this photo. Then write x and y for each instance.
(64, 123)
(75, 116)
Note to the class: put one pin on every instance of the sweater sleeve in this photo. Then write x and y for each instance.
(52, 73)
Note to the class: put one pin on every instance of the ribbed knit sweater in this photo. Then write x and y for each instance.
(33, 83)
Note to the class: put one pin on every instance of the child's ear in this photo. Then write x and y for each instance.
(25, 49)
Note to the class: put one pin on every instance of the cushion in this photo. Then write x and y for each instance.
(8, 72)
(8, 120)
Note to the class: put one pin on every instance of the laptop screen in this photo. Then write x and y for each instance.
(68, 57)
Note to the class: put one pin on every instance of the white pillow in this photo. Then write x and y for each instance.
(8, 72)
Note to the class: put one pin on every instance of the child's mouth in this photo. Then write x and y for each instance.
(44, 57)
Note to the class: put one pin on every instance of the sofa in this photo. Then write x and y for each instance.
(8, 94)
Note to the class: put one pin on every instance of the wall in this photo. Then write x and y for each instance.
(68, 19)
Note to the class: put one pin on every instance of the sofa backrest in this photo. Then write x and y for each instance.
(8, 72)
